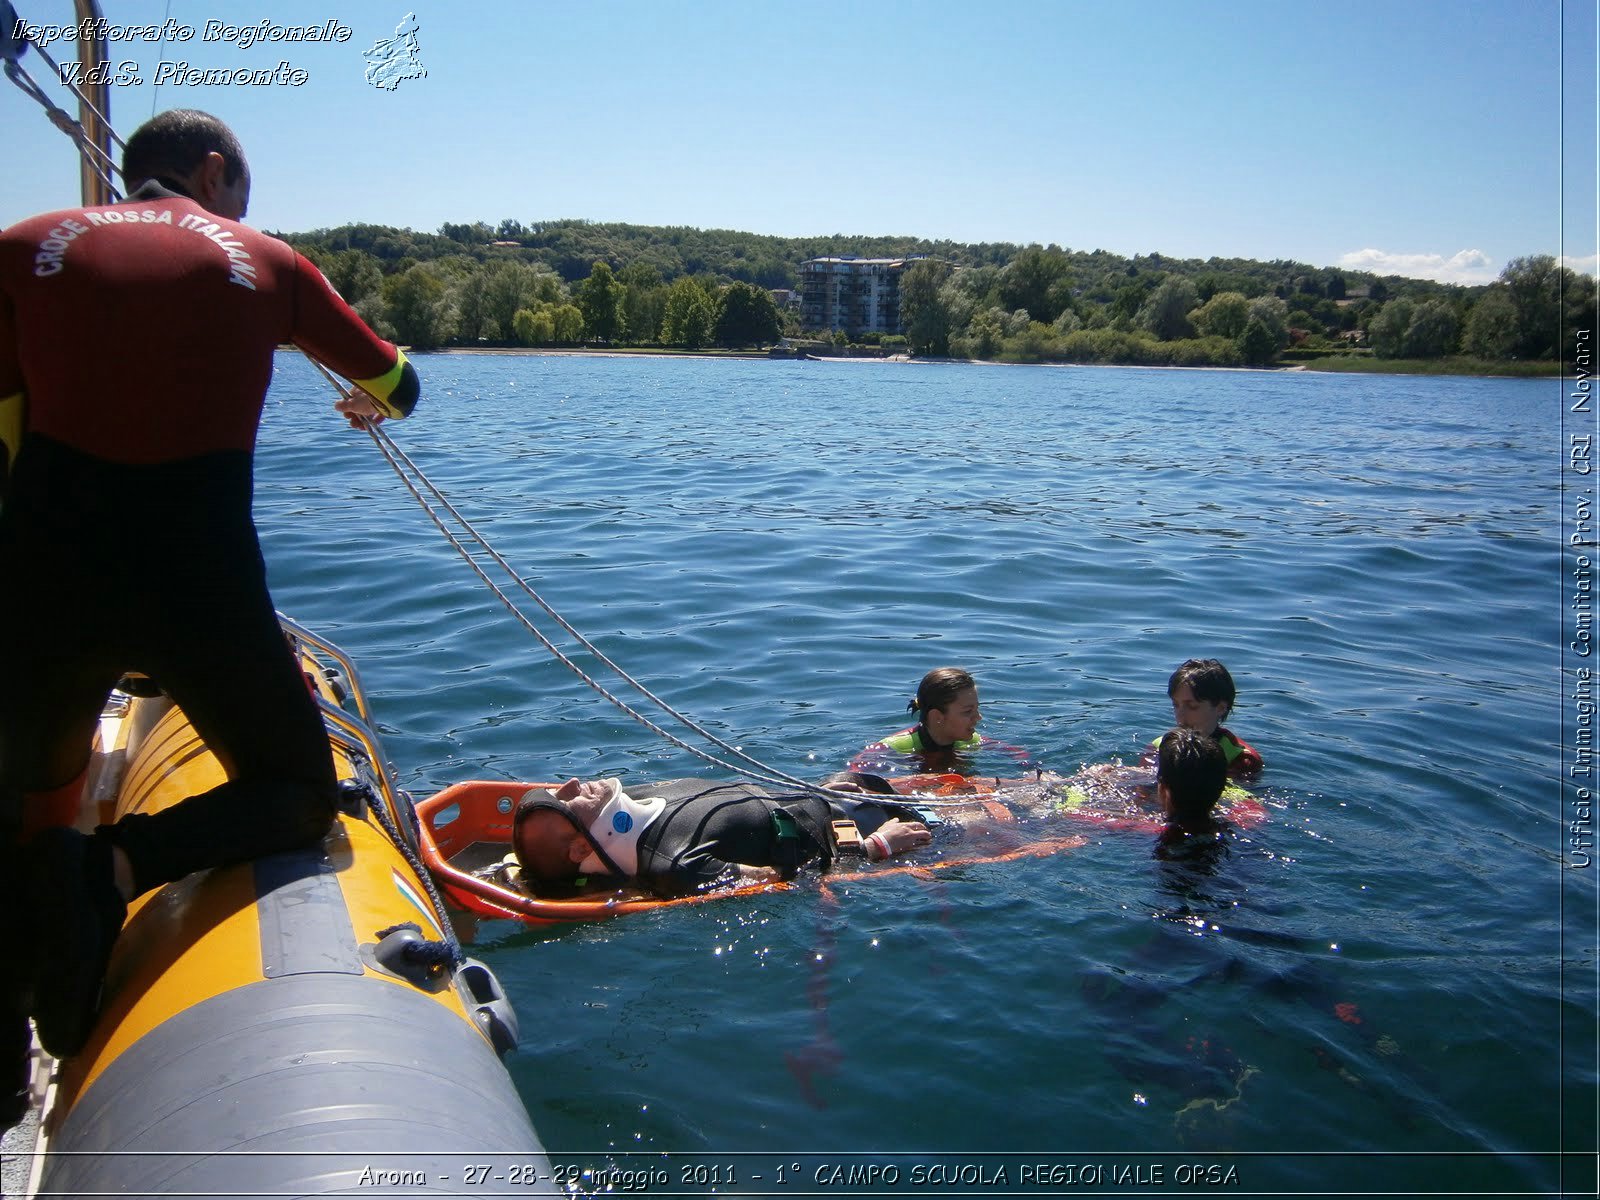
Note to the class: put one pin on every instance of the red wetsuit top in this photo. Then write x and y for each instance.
(139, 339)
(143, 332)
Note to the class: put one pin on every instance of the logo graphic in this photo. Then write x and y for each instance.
(621, 822)
(393, 60)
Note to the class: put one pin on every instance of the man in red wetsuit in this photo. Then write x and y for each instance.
(138, 339)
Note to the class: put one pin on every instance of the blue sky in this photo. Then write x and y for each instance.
(1437, 139)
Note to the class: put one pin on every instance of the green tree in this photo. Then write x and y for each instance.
(1329, 315)
(1387, 331)
(689, 315)
(1127, 302)
(418, 306)
(1534, 286)
(644, 301)
(1211, 283)
(472, 316)
(640, 274)
(509, 287)
(355, 275)
(1034, 344)
(980, 284)
(1307, 285)
(1273, 313)
(1033, 279)
(1224, 315)
(548, 288)
(923, 311)
(642, 310)
(1431, 332)
(542, 332)
(746, 316)
(566, 324)
(1258, 345)
(467, 235)
(1165, 312)
(1491, 329)
(698, 323)
(959, 305)
(525, 327)
(600, 300)
(987, 332)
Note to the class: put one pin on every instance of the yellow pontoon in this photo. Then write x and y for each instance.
(299, 1025)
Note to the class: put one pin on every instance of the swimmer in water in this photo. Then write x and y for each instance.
(1202, 694)
(946, 733)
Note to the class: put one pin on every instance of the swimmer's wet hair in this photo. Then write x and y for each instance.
(1194, 770)
(939, 688)
(1207, 678)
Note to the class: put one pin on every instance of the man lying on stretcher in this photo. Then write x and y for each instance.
(695, 835)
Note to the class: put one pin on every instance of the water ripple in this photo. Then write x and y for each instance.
(784, 548)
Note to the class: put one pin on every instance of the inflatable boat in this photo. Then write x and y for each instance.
(300, 1025)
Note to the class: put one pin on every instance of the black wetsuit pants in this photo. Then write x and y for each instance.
(107, 568)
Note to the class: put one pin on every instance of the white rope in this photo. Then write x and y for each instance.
(94, 156)
(417, 482)
(103, 165)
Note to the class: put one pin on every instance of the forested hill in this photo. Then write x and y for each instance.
(569, 283)
(571, 248)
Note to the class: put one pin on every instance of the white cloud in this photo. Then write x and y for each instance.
(1464, 266)
(1589, 264)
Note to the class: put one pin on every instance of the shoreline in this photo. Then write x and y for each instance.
(899, 359)
(610, 352)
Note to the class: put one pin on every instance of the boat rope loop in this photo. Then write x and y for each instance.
(374, 804)
(403, 950)
(12, 49)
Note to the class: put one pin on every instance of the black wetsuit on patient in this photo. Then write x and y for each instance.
(709, 829)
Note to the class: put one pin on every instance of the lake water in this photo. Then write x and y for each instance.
(1364, 995)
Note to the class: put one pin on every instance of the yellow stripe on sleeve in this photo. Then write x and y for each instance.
(382, 387)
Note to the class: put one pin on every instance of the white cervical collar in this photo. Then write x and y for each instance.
(616, 830)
